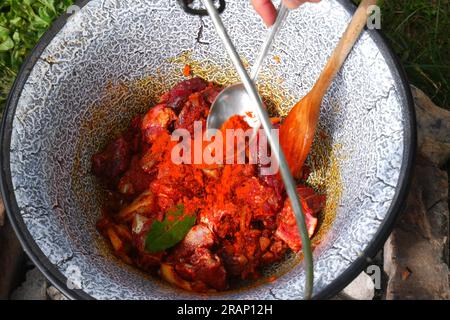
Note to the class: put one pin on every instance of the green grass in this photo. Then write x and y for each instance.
(418, 31)
(22, 23)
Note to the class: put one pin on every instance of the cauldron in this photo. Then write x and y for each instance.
(107, 60)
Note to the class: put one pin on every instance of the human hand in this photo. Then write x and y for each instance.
(267, 11)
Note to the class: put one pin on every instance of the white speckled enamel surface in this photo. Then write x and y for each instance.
(111, 41)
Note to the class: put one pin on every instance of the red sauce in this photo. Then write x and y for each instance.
(244, 220)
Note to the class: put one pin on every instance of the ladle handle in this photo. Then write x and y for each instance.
(343, 47)
(272, 138)
(283, 12)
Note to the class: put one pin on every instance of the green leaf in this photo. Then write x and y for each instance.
(46, 15)
(173, 229)
(6, 45)
(4, 32)
(22, 22)
(49, 4)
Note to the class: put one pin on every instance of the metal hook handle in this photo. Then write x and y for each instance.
(281, 17)
(185, 5)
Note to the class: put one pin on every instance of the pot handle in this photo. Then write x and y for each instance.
(199, 12)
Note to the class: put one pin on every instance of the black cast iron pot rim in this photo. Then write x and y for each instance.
(59, 280)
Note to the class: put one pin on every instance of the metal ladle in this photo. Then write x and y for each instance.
(234, 100)
(272, 138)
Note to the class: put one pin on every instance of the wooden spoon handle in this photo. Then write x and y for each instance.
(343, 48)
(298, 129)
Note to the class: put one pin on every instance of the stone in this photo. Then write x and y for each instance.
(34, 287)
(11, 259)
(433, 124)
(362, 288)
(55, 294)
(416, 253)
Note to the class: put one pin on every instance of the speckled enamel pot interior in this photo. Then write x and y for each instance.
(72, 95)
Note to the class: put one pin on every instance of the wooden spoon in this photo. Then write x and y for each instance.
(297, 130)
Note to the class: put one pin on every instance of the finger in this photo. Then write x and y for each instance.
(266, 10)
(292, 4)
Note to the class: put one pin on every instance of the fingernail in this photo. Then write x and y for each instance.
(292, 4)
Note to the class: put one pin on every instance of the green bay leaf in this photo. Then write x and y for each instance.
(166, 234)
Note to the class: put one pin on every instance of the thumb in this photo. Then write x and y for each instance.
(292, 4)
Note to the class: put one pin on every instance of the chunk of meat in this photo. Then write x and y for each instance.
(287, 226)
(304, 191)
(156, 121)
(141, 226)
(205, 267)
(149, 261)
(141, 229)
(275, 182)
(168, 194)
(156, 153)
(113, 161)
(210, 94)
(178, 95)
(275, 252)
(167, 272)
(198, 237)
(263, 200)
(176, 182)
(118, 235)
(195, 262)
(314, 202)
(232, 176)
(236, 146)
(143, 205)
(287, 229)
(241, 255)
(139, 222)
(135, 180)
(220, 218)
(196, 108)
